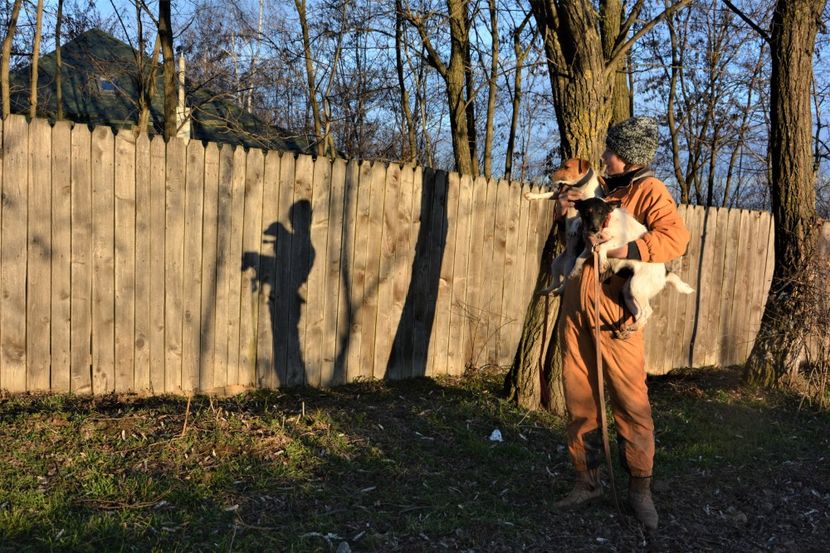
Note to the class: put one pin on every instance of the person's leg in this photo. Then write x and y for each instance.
(624, 362)
(579, 383)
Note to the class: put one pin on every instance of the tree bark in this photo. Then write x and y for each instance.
(491, 90)
(35, 59)
(520, 54)
(612, 12)
(7, 51)
(785, 323)
(58, 64)
(311, 79)
(409, 150)
(170, 93)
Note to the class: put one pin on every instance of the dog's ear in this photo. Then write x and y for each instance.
(583, 166)
(579, 204)
(614, 203)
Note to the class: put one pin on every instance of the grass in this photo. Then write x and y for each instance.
(400, 466)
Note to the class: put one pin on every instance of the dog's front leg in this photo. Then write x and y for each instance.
(579, 263)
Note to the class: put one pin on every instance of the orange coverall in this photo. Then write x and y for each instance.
(647, 199)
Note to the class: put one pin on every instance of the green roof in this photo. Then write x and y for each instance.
(100, 88)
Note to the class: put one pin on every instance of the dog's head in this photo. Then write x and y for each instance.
(595, 213)
(570, 172)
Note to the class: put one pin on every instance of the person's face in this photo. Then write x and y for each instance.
(613, 164)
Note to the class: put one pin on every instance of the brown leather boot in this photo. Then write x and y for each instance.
(639, 497)
(586, 488)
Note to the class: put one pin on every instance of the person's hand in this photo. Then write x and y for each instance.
(566, 200)
(617, 253)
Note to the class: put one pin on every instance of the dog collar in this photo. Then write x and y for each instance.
(584, 180)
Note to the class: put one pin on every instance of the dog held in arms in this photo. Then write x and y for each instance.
(577, 174)
(610, 226)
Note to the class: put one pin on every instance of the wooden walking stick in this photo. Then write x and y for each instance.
(600, 381)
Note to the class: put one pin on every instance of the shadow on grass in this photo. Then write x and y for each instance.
(397, 466)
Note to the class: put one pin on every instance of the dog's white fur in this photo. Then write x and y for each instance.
(648, 279)
(571, 172)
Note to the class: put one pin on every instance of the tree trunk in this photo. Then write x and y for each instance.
(7, 52)
(409, 148)
(612, 14)
(459, 90)
(171, 100)
(58, 64)
(520, 55)
(311, 79)
(35, 59)
(491, 91)
(785, 323)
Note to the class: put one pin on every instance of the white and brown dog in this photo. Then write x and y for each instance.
(577, 174)
(610, 226)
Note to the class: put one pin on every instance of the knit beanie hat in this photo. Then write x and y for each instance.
(634, 140)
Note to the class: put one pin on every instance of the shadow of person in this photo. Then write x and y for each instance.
(285, 273)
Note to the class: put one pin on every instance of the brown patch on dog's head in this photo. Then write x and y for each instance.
(570, 171)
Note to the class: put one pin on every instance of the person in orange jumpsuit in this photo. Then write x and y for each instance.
(630, 148)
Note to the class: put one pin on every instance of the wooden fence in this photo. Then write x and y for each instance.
(129, 264)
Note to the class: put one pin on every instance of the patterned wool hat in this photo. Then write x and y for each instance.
(634, 140)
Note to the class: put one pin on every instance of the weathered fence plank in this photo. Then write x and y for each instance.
(701, 340)
(236, 279)
(302, 262)
(103, 235)
(441, 334)
(158, 217)
(739, 296)
(459, 316)
(284, 294)
(125, 269)
(39, 246)
(80, 333)
(499, 270)
(142, 267)
(210, 243)
(730, 268)
(370, 293)
(363, 201)
(192, 268)
(13, 265)
(61, 310)
(439, 241)
(251, 243)
(390, 227)
(758, 247)
(173, 269)
(316, 296)
(475, 326)
(487, 275)
(346, 307)
(266, 279)
(510, 299)
(330, 373)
